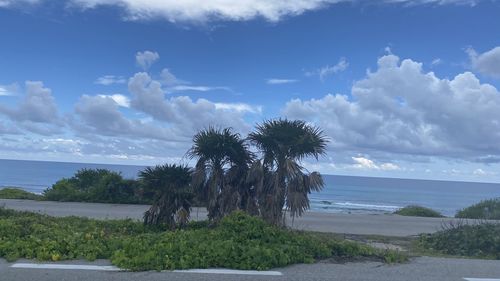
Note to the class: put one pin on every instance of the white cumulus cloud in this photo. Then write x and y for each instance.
(121, 100)
(239, 107)
(100, 116)
(487, 63)
(36, 110)
(182, 112)
(229, 10)
(8, 3)
(38, 105)
(400, 108)
(168, 78)
(202, 11)
(366, 163)
(146, 59)
(479, 172)
(9, 90)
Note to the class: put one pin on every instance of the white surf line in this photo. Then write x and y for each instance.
(481, 279)
(230, 271)
(65, 266)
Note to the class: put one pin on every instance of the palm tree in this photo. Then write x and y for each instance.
(223, 160)
(172, 194)
(279, 178)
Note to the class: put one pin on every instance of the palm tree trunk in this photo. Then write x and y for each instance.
(280, 189)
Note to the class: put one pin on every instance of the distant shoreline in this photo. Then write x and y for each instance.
(335, 175)
(341, 194)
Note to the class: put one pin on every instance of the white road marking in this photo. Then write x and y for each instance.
(114, 268)
(231, 271)
(65, 266)
(481, 279)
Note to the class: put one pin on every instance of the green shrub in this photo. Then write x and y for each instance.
(34, 236)
(487, 209)
(63, 190)
(17, 193)
(418, 211)
(481, 240)
(239, 241)
(96, 185)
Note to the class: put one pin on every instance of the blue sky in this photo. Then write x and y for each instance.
(403, 88)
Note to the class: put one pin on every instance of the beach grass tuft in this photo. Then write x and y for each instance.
(486, 209)
(17, 193)
(477, 241)
(418, 211)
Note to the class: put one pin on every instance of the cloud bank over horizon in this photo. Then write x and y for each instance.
(397, 113)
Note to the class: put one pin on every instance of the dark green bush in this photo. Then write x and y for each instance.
(240, 241)
(17, 193)
(418, 211)
(99, 185)
(487, 209)
(481, 240)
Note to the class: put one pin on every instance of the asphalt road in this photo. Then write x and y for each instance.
(420, 269)
(387, 225)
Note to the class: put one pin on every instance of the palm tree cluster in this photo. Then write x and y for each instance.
(173, 194)
(229, 176)
(219, 174)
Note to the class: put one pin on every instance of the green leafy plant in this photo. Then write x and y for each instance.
(96, 185)
(487, 209)
(17, 193)
(481, 240)
(418, 211)
(239, 241)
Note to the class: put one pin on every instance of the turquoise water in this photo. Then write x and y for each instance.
(342, 194)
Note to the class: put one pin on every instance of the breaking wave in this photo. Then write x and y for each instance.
(323, 205)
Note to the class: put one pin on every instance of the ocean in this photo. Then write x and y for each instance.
(342, 194)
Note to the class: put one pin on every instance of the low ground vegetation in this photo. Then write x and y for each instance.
(238, 241)
(487, 209)
(478, 241)
(418, 211)
(17, 193)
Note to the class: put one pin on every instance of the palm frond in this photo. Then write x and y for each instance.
(315, 182)
(171, 184)
(223, 160)
(283, 144)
